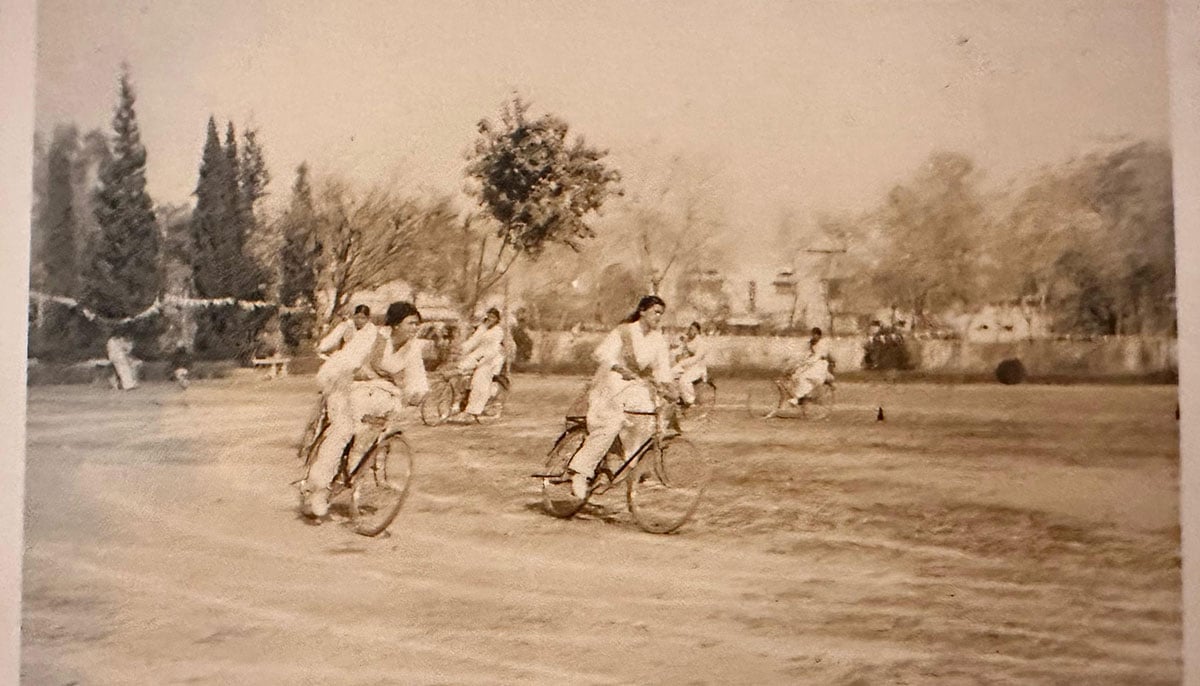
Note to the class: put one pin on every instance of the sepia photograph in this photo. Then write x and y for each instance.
(710, 342)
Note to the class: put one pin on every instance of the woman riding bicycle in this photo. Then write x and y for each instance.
(632, 357)
(482, 358)
(392, 377)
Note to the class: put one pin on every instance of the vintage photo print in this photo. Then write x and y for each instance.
(603, 342)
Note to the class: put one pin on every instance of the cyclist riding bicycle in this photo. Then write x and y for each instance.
(482, 357)
(342, 334)
(812, 369)
(630, 355)
(692, 363)
(392, 378)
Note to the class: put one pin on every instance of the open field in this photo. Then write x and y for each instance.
(981, 534)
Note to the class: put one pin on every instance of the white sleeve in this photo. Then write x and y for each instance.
(332, 339)
(608, 352)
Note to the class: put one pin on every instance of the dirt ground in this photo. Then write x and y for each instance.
(980, 534)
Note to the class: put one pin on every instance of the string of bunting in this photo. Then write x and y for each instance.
(157, 306)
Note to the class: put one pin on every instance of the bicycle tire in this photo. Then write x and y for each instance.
(313, 432)
(557, 498)
(438, 403)
(706, 400)
(381, 485)
(764, 400)
(667, 485)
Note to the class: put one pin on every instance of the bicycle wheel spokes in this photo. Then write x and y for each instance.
(667, 485)
(556, 486)
(763, 399)
(381, 486)
(438, 404)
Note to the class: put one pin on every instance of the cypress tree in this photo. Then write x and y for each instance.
(298, 261)
(58, 218)
(122, 278)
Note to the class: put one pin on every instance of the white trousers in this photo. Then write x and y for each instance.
(808, 377)
(482, 387)
(346, 407)
(687, 377)
(606, 419)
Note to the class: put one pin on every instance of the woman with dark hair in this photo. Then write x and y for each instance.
(392, 378)
(632, 358)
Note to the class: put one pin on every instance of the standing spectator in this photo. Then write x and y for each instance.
(181, 361)
(125, 365)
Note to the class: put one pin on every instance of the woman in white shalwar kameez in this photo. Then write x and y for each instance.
(632, 358)
(392, 379)
(483, 358)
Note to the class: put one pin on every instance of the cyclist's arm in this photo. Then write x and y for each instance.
(331, 340)
(416, 383)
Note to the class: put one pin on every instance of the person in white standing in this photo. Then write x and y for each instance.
(692, 364)
(343, 333)
(633, 358)
(392, 379)
(125, 366)
(483, 358)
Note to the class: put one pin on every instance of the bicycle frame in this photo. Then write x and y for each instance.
(660, 437)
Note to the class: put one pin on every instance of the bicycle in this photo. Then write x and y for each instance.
(665, 477)
(379, 484)
(705, 392)
(448, 393)
(772, 402)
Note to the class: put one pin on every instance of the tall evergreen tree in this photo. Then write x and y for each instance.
(123, 277)
(58, 218)
(221, 266)
(298, 261)
(213, 240)
(253, 171)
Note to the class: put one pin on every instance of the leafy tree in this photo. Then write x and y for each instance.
(671, 225)
(369, 239)
(123, 276)
(929, 230)
(1091, 243)
(536, 186)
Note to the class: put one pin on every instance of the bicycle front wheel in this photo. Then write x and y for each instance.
(381, 486)
(311, 439)
(556, 486)
(438, 404)
(667, 485)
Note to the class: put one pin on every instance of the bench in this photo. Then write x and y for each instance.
(277, 366)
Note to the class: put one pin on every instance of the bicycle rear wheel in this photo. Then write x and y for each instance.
(667, 485)
(764, 400)
(381, 486)
(556, 485)
(706, 400)
(438, 403)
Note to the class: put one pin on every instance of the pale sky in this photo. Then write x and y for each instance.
(801, 106)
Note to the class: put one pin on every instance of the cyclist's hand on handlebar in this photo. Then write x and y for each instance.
(625, 372)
